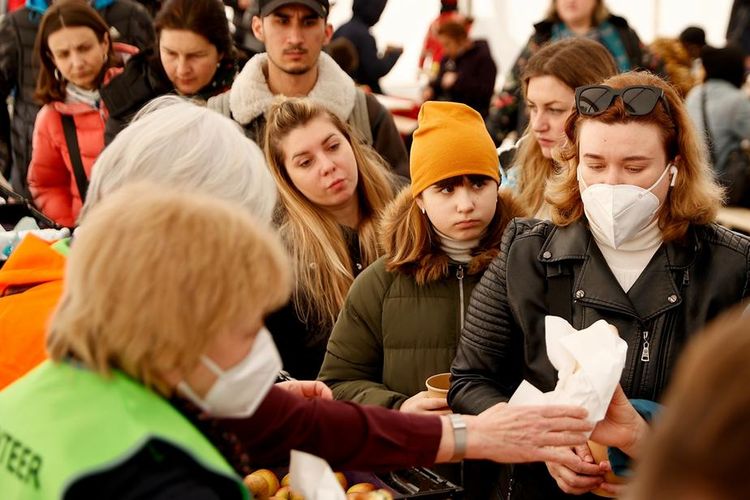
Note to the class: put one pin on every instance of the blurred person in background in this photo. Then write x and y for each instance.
(549, 82)
(294, 33)
(372, 66)
(77, 58)
(242, 30)
(7, 6)
(432, 49)
(467, 71)
(565, 19)
(194, 57)
(738, 29)
(721, 110)
(693, 39)
(152, 6)
(672, 55)
(129, 23)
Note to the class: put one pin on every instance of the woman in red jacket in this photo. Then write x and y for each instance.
(76, 57)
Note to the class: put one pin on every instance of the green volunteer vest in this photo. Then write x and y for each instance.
(61, 422)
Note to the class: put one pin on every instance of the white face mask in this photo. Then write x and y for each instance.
(618, 212)
(239, 390)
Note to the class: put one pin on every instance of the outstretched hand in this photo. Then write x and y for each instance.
(514, 434)
(309, 389)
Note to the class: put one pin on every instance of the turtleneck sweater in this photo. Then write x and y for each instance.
(629, 260)
(457, 250)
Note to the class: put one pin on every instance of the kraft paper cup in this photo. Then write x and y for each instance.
(600, 454)
(438, 385)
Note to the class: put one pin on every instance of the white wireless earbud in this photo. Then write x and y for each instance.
(673, 171)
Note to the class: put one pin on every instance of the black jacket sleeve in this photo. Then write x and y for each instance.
(133, 23)
(375, 66)
(9, 46)
(487, 369)
(385, 137)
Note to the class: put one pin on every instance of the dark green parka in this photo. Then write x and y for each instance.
(393, 332)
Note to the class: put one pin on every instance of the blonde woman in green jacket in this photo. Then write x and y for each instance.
(403, 315)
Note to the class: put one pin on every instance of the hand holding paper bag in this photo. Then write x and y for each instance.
(589, 363)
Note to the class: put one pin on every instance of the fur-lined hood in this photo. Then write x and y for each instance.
(250, 96)
(435, 264)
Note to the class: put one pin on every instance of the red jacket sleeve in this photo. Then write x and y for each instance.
(48, 176)
(347, 435)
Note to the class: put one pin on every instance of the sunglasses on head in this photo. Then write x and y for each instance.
(639, 100)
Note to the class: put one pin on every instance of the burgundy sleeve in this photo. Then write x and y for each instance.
(347, 435)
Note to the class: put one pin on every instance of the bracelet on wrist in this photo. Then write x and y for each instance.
(459, 437)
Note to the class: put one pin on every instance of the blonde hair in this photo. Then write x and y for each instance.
(695, 198)
(149, 284)
(316, 242)
(411, 244)
(600, 14)
(575, 62)
(677, 63)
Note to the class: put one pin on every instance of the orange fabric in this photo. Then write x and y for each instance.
(24, 316)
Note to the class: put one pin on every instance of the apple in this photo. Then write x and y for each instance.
(362, 495)
(286, 493)
(270, 478)
(342, 480)
(286, 480)
(380, 494)
(257, 485)
(361, 488)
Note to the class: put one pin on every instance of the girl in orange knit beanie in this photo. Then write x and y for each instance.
(402, 318)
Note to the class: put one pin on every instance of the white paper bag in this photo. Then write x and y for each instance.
(589, 363)
(313, 478)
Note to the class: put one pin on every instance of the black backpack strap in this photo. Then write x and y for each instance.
(71, 139)
(559, 292)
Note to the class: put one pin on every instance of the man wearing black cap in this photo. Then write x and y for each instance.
(294, 33)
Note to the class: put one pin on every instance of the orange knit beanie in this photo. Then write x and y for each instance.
(451, 140)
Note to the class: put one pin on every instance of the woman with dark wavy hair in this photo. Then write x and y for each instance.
(195, 57)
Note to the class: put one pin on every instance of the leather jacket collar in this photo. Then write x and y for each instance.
(657, 290)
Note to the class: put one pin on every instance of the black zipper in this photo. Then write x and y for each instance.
(642, 356)
(460, 277)
(510, 483)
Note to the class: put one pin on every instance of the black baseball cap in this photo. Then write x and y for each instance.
(320, 7)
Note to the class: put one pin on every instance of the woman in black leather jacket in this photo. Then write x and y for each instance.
(632, 241)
